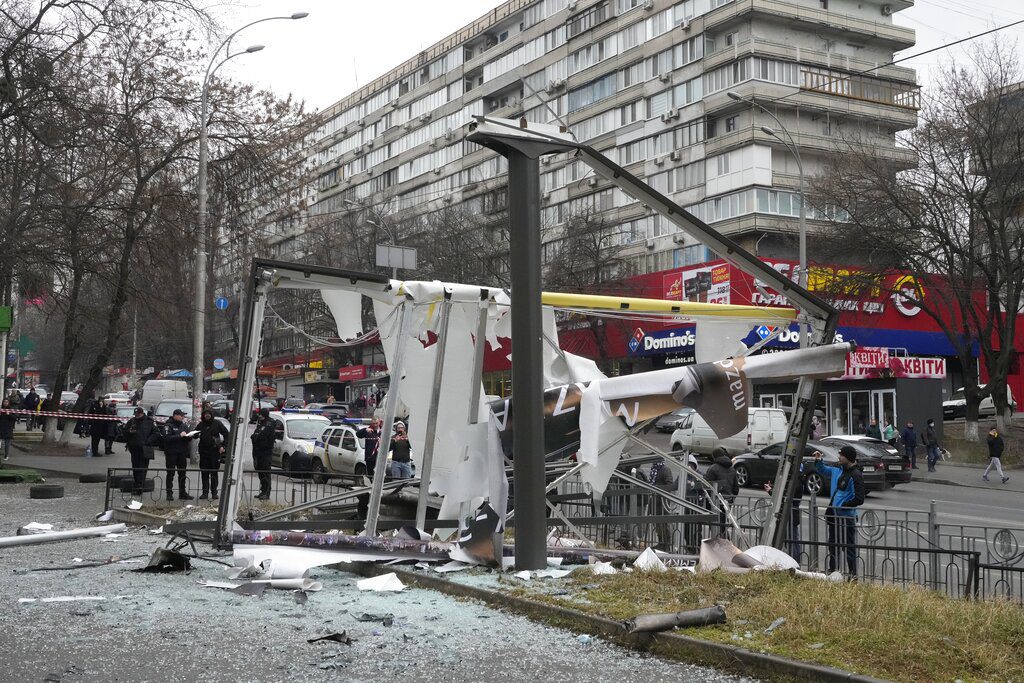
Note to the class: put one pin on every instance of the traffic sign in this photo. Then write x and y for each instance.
(218, 363)
(221, 303)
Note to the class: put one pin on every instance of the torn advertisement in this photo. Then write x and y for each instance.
(719, 391)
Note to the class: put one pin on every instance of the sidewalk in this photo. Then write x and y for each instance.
(958, 474)
(67, 462)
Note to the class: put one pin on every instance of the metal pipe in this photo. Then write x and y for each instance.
(391, 407)
(527, 359)
(427, 462)
(54, 536)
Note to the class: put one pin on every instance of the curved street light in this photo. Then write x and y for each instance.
(795, 151)
(199, 303)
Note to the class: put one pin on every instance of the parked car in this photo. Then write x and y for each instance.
(897, 468)
(335, 412)
(211, 397)
(757, 468)
(156, 391)
(670, 422)
(68, 399)
(117, 398)
(956, 406)
(226, 408)
(338, 451)
(296, 435)
(764, 426)
(167, 407)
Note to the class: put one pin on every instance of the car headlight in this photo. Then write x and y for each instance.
(308, 447)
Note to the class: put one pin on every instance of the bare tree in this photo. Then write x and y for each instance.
(952, 223)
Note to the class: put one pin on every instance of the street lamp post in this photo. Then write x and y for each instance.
(795, 151)
(199, 303)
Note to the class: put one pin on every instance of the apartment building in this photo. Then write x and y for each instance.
(645, 81)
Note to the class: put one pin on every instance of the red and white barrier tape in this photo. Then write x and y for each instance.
(73, 416)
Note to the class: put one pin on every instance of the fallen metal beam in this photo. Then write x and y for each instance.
(55, 536)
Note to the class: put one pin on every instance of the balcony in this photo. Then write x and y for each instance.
(898, 37)
(807, 142)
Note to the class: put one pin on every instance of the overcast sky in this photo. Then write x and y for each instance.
(345, 44)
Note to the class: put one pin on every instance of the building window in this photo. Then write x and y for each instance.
(730, 39)
(730, 124)
(824, 4)
(587, 20)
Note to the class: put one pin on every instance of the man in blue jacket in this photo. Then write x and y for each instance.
(847, 486)
(909, 436)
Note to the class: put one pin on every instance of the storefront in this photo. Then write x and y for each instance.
(363, 380)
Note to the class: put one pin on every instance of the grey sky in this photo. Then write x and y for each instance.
(344, 44)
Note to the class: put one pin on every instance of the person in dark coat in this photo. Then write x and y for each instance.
(263, 449)
(371, 443)
(7, 422)
(110, 430)
(176, 454)
(97, 426)
(873, 430)
(931, 445)
(401, 453)
(212, 435)
(662, 477)
(140, 436)
(995, 454)
(909, 437)
(30, 402)
(722, 473)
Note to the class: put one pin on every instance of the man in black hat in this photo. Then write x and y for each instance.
(176, 452)
(262, 450)
(847, 487)
(212, 435)
(140, 434)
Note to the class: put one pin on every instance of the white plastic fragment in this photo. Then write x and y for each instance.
(209, 583)
(524, 575)
(452, 566)
(554, 561)
(769, 558)
(105, 516)
(552, 573)
(134, 505)
(158, 530)
(603, 568)
(382, 583)
(303, 584)
(649, 561)
(35, 528)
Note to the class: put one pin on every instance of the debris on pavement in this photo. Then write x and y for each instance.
(382, 583)
(134, 505)
(653, 623)
(166, 560)
(336, 637)
(649, 561)
(775, 624)
(603, 568)
(385, 619)
(34, 528)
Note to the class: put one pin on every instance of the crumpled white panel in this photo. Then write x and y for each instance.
(346, 308)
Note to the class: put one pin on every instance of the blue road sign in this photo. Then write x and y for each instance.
(221, 303)
(218, 363)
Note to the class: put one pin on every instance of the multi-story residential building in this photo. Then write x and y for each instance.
(647, 83)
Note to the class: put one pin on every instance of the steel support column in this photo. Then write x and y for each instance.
(427, 463)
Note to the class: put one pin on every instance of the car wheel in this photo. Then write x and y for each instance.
(815, 484)
(43, 491)
(286, 462)
(92, 478)
(742, 475)
(319, 473)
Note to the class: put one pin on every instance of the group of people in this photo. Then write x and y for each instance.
(911, 439)
(400, 449)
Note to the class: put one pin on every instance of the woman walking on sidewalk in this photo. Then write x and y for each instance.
(995, 452)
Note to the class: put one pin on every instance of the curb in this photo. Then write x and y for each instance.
(668, 645)
(138, 517)
(986, 487)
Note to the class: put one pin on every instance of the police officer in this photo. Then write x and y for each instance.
(212, 435)
(262, 449)
(176, 453)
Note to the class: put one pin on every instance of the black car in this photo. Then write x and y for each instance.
(335, 412)
(757, 469)
(669, 423)
(897, 468)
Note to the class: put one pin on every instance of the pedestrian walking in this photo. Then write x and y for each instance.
(931, 444)
(176, 454)
(909, 437)
(97, 425)
(995, 455)
(140, 435)
(263, 450)
(889, 434)
(873, 432)
(7, 422)
(847, 486)
(212, 435)
(722, 473)
(401, 453)
(371, 443)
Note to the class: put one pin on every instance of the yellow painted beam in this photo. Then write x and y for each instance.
(637, 305)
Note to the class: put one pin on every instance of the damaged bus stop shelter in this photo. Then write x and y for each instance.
(433, 336)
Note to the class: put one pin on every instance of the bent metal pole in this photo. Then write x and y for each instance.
(427, 463)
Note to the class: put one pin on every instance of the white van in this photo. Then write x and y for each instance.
(765, 426)
(956, 406)
(156, 390)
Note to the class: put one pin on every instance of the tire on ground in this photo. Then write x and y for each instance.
(44, 491)
(127, 485)
(92, 478)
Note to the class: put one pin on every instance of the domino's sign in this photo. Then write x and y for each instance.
(678, 341)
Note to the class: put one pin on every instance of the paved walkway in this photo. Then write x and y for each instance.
(957, 474)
